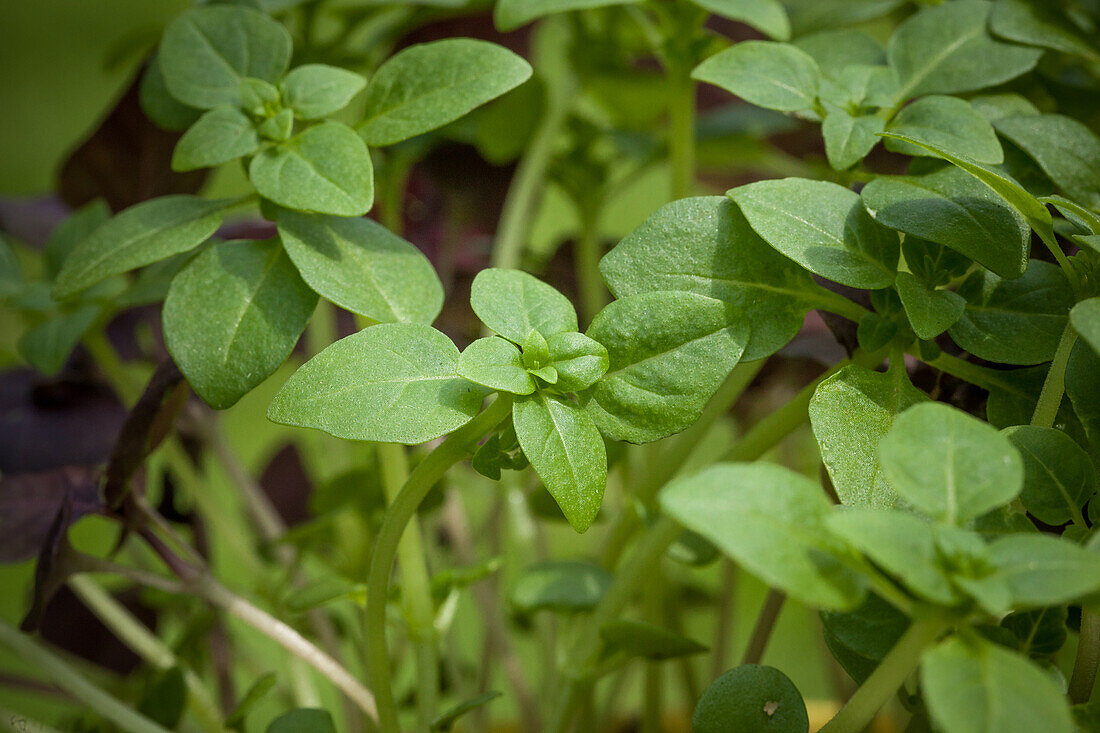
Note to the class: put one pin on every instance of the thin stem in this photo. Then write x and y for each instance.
(75, 684)
(400, 512)
(587, 263)
(829, 301)
(980, 376)
(416, 592)
(1046, 409)
(727, 595)
(105, 356)
(888, 676)
(765, 624)
(681, 131)
(146, 645)
(1083, 678)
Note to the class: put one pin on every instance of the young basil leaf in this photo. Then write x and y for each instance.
(427, 86)
(496, 364)
(1066, 150)
(973, 685)
(208, 50)
(561, 585)
(837, 50)
(1083, 390)
(823, 227)
(705, 245)
(639, 639)
(1036, 215)
(765, 73)
(1036, 25)
(165, 111)
(859, 639)
(751, 698)
(511, 14)
(279, 127)
(947, 49)
(1085, 317)
(1040, 633)
(849, 137)
(933, 263)
(446, 720)
(901, 544)
(233, 315)
(67, 235)
(578, 360)
(140, 235)
(1044, 570)
(325, 169)
(949, 123)
(874, 400)
(772, 521)
(766, 16)
(1006, 104)
(513, 304)
(390, 383)
(219, 136)
(669, 352)
(566, 451)
(314, 91)
(1058, 475)
(47, 346)
(360, 265)
(1014, 321)
(1075, 213)
(949, 464)
(303, 720)
(951, 208)
(930, 311)
(856, 88)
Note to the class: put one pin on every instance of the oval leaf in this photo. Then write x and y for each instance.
(949, 123)
(768, 74)
(496, 364)
(314, 91)
(560, 585)
(219, 136)
(1059, 476)
(513, 304)
(751, 698)
(1066, 150)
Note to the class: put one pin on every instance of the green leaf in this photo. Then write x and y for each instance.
(567, 452)
(645, 640)
(1066, 150)
(974, 686)
(360, 265)
(446, 720)
(751, 698)
(669, 352)
(1037, 24)
(496, 364)
(303, 720)
(949, 123)
(1014, 321)
(314, 91)
(560, 585)
(233, 315)
(219, 136)
(705, 245)
(823, 227)
(947, 49)
(513, 304)
(579, 360)
(848, 137)
(67, 235)
(390, 383)
(1058, 475)
(429, 85)
(766, 16)
(511, 14)
(1044, 570)
(858, 88)
(1041, 633)
(165, 111)
(835, 51)
(165, 699)
(773, 522)
(951, 208)
(859, 639)
(949, 464)
(208, 50)
(47, 346)
(873, 400)
(1005, 104)
(141, 235)
(255, 692)
(279, 127)
(901, 544)
(1085, 317)
(765, 73)
(325, 169)
(1036, 215)
(1075, 213)
(930, 311)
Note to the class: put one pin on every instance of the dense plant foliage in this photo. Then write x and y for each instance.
(950, 229)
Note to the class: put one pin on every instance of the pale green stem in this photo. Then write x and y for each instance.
(400, 512)
(1083, 678)
(587, 263)
(1046, 409)
(681, 131)
(105, 356)
(765, 624)
(68, 679)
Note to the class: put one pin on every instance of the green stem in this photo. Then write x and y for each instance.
(888, 676)
(146, 645)
(105, 356)
(587, 262)
(75, 684)
(829, 301)
(1046, 409)
(681, 131)
(416, 592)
(1083, 678)
(765, 624)
(980, 376)
(400, 512)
